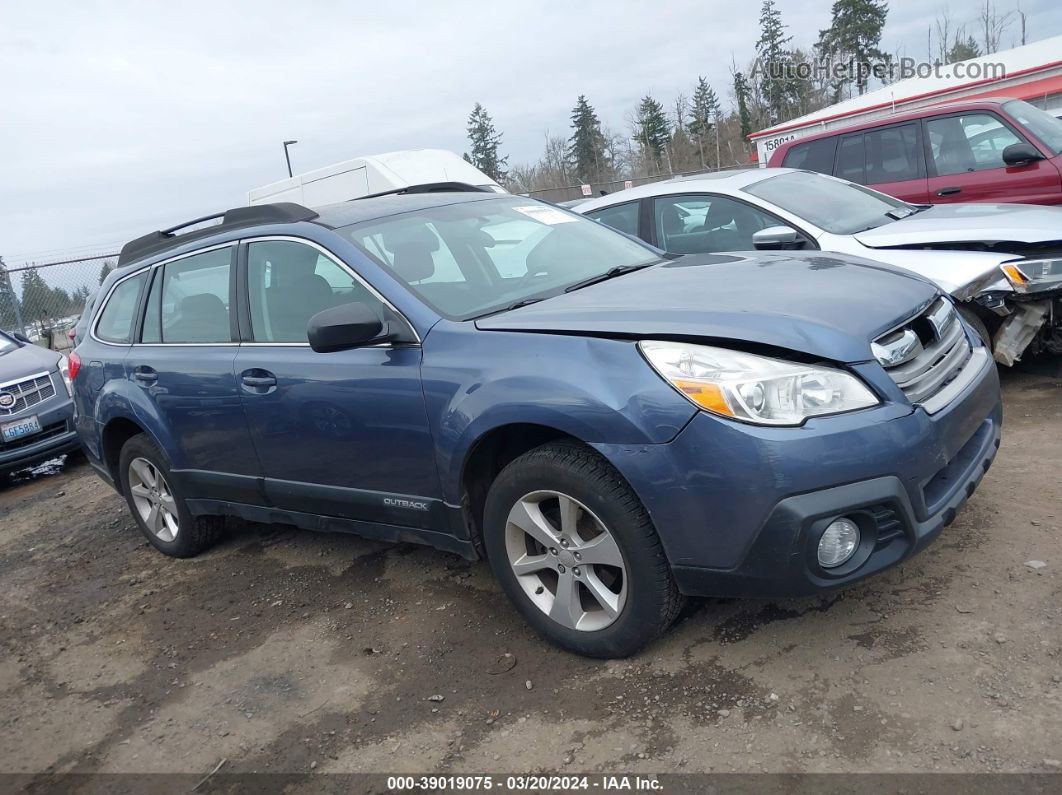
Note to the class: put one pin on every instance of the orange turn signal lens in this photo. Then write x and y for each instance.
(1014, 274)
(707, 396)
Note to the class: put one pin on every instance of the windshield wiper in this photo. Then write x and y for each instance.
(900, 213)
(509, 307)
(611, 273)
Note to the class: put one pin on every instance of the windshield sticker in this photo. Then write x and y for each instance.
(546, 215)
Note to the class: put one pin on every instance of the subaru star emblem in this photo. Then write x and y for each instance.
(7, 400)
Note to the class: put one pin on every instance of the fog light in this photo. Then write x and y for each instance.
(838, 543)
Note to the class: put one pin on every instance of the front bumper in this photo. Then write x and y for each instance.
(56, 437)
(740, 508)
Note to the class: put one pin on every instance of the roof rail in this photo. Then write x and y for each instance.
(429, 187)
(154, 242)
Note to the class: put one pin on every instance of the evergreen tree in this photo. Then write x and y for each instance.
(485, 142)
(774, 57)
(105, 268)
(704, 116)
(962, 50)
(854, 35)
(37, 297)
(586, 153)
(741, 96)
(9, 304)
(80, 297)
(683, 152)
(652, 128)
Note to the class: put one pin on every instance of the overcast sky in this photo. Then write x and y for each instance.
(122, 117)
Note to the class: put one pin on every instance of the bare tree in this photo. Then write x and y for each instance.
(993, 26)
(943, 25)
(1022, 19)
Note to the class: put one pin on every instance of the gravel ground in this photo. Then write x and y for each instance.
(286, 651)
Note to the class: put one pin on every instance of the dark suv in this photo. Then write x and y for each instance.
(495, 376)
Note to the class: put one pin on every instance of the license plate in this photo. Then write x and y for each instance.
(20, 429)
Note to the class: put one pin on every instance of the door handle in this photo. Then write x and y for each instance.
(949, 191)
(145, 375)
(259, 381)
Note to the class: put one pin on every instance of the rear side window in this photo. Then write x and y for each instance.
(970, 142)
(893, 154)
(189, 300)
(813, 155)
(119, 315)
(851, 159)
(623, 217)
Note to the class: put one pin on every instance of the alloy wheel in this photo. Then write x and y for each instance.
(153, 499)
(566, 560)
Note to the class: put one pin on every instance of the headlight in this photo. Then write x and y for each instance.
(64, 371)
(1033, 275)
(755, 388)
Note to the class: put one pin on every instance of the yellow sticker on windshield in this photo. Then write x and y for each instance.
(546, 215)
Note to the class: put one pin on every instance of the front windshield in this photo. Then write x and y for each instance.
(472, 258)
(1043, 125)
(832, 205)
(6, 343)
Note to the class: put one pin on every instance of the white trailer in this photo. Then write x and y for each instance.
(366, 176)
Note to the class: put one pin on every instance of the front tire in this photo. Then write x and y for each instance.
(978, 325)
(157, 507)
(576, 552)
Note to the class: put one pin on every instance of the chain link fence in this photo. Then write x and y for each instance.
(575, 192)
(44, 300)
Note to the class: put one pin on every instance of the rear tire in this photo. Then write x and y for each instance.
(158, 507)
(593, 578)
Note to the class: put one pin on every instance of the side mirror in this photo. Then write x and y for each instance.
(1021, 154)
(774, 238)
(348, 326)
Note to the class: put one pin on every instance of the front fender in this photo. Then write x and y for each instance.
(961, 274)
(594, 389)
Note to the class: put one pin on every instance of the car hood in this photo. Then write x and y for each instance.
(827, 306)
(25, 361)
(966, 223)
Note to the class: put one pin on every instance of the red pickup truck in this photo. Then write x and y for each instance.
(988, 150)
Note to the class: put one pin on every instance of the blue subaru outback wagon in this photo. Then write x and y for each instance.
(610, 428)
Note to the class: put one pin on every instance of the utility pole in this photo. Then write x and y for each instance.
(287, 157)
(7, 289)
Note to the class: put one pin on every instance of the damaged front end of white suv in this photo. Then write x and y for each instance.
(1015, 301)
(1029, 300)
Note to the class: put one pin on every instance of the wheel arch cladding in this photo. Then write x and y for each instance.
(116, 433)
(489, 455)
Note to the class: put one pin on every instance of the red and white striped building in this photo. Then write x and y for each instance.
(1032, 72)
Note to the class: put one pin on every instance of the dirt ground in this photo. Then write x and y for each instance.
(287, 651)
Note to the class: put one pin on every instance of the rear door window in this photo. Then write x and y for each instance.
(189, 300)
(893, 154)
(851, 161)
(119, 315)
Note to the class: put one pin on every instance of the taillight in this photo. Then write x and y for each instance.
(71, 333)
(74, 362)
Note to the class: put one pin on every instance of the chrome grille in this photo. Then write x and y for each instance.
(926, 354)
(28, 392)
